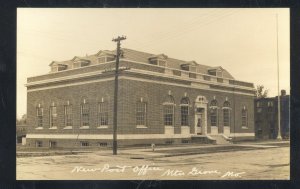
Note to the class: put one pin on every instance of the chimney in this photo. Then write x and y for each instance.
(283, 92)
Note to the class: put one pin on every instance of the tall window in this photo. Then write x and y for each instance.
(169, 105)
(39, 116)
(214, 113)
(244, 117)
(53, 115)
(270, 106)
(141, 112)
(184, 107)
(68, 115)
(85, 110)
(102, 114)
(226, 113)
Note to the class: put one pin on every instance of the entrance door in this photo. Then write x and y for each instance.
(200, 115)
(199, 123)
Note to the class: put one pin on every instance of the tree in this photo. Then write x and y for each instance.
(22, 121)
(261, 92)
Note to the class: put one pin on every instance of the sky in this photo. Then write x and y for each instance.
(242, 41)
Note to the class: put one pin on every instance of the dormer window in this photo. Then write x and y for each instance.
(80, 63)
(105, 56)
(189, 66)
(160, 60)
(103, 59)
(212, 72)
(216, 71)
(185, 67)
(56, 67)
(154, 61)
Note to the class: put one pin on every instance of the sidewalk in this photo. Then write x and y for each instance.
(170, 151)
(161, 151)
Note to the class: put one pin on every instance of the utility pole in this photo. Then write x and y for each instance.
(278, 106)
(118, 40)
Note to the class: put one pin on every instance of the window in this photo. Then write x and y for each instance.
(154, 61)
(213, 113)
(169, 142)
(102, 144)
(169, 110)
(270, 104)
(226, 113)
(80, 63)
(141, 112)
(52, 144)
(103, 59)
(258, 104)
(184, 141)
(213, 117)
(38, 144)
(184, 106)
(258, 107)
(84, 143)
(53, 116)
(39, 115)
(68, 115)
(84, 113)
(244, 117)
(62, 67)
(212, 72)
(185, 67)
(102, 114)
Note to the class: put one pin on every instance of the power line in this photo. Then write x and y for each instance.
(188, 30)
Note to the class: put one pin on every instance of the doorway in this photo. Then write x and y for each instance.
(200, 116)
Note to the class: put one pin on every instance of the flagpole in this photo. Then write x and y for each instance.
(278, 109)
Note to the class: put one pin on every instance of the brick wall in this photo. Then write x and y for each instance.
(129, 93)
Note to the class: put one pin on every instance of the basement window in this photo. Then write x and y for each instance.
(102, 144)
(38, 144)
(84, 144)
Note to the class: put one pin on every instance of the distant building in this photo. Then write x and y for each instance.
(21, 132)
(266, 117)
(162, 100)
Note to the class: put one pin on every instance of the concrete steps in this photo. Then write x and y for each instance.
(221, 139)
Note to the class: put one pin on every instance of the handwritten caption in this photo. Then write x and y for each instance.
(145, 169)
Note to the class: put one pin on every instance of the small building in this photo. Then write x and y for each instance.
(266, 117)
(161, 100)
(21, 132)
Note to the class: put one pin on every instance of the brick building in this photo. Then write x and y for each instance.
(266, 117)
(161, 100)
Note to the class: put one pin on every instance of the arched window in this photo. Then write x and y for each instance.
(141, 113)
(226, 113)
(184, 107)
(102, 113)
(85, 112)
(53, 115)
(169, 105)
(214, 113)
(39, 115)
(68, 114)
(244, 117)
